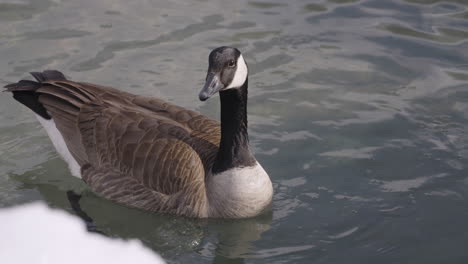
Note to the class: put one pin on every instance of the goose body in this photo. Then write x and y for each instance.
(153, 155)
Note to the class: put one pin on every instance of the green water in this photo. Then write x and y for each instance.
(358, 110)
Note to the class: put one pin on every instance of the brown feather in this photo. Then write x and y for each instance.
(138, 151)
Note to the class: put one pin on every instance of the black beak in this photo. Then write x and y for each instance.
(213, 85)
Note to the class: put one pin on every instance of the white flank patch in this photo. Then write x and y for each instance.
(59, 144)
(240, 192)
(241, 74)
(34, 233)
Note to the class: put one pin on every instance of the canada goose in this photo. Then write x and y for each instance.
(150, 154)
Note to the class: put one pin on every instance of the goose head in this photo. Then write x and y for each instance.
(226, 70)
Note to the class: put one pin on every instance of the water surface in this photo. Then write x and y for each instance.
(358, 110)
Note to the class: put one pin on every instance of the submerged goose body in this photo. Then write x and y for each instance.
(150, 154)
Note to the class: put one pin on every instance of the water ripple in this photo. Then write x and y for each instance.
(108, 52)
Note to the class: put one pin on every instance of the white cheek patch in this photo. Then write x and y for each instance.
(241, 74)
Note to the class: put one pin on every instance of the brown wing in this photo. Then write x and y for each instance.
(131, 146)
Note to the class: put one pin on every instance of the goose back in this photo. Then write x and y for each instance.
(139, 151)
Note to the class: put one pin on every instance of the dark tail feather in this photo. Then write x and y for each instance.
(24, 91)
(50, 75)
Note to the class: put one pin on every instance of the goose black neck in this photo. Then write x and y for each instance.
(234, 150)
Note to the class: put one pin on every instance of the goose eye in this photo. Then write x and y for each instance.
(231, 63)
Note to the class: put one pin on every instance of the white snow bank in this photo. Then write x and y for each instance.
(34, 233)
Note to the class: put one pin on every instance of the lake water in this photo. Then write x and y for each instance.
(358, 110)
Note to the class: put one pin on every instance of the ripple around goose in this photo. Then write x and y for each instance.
(150, 154)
